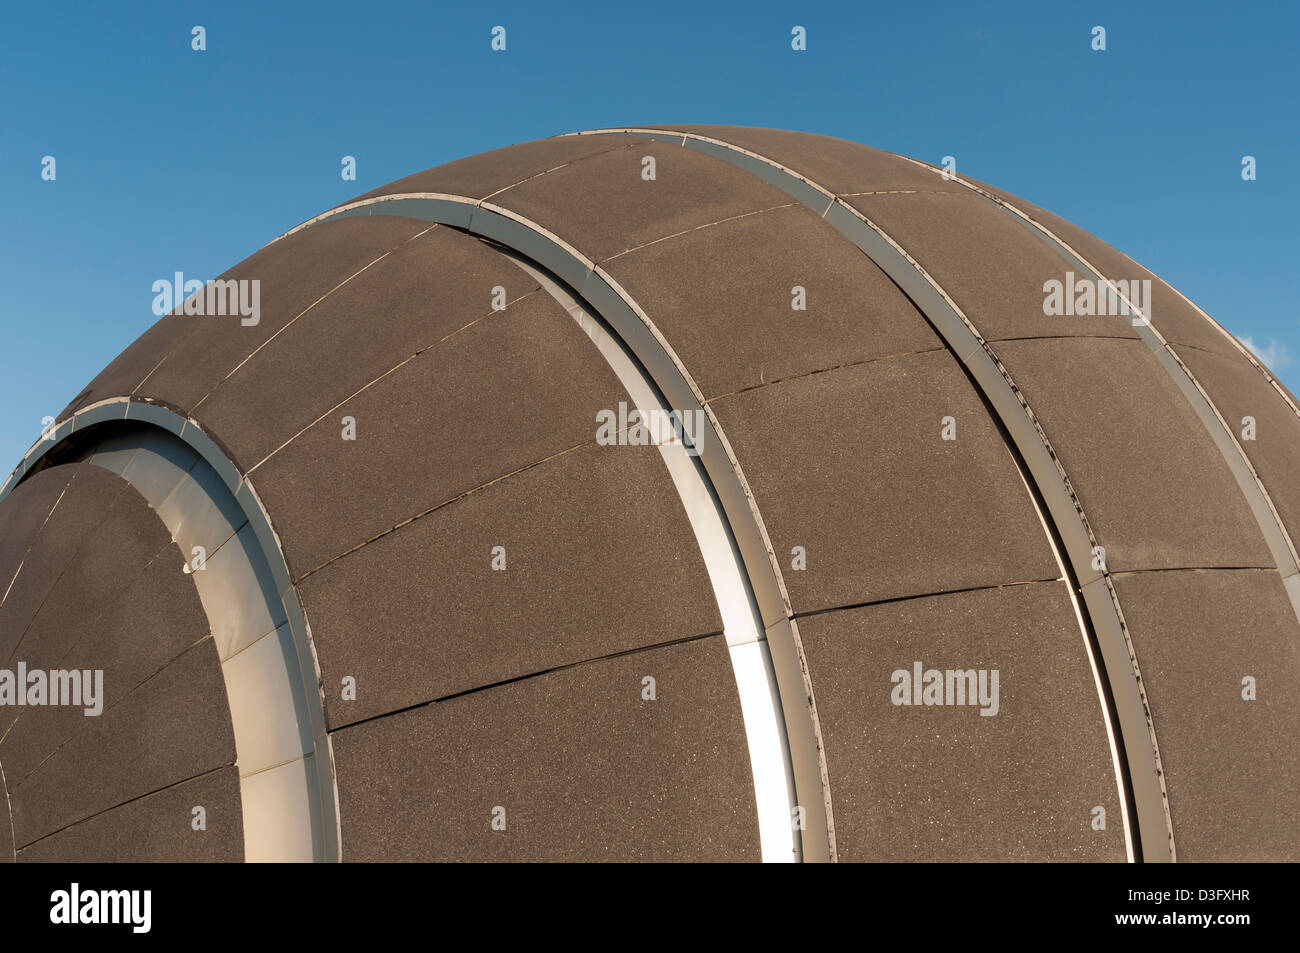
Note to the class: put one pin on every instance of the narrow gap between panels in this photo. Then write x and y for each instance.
(696, 228)
(809, 613)
(1124, 778)
(27, 552)
(445, 503)
(117, 497)
(92, 627)
(9, 813)
(131, 800)
(1139, 572)
(826, 370)
(122, 699)
(478, 689)
(749, 653)
(396, 367)
(562, 165)
(185, 338)
(294, 320)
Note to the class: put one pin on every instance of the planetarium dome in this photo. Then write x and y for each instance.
(673, 493)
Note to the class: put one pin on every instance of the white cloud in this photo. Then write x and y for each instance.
(1274, 356)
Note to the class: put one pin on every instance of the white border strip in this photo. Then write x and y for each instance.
(751, 662)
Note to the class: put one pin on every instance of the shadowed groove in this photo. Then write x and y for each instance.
(1281, 545)
(259, 580)
(1135, 750)
(641, 338)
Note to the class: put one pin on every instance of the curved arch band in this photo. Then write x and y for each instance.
(791, 692)
(287, 787)
(1135, 749)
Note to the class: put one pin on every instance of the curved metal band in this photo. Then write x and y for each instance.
(1280, 544)
(288, 796)
(600, 293)
(1141, 770)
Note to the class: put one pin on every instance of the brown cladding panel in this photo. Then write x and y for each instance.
(837, 165)
(585, 769)
(89, 497)
(7, 849)
(150, 622)
(852, 466)
(480, 176)
(991, 266)
(723, 298)
(506, 393)
(157, 828)
(423, 292)
(603, 207)
(1178, 321)
(23, 512)
(599, 559)
(1157, 491)
(1232, 766)
(174, 727)
(108, 558)
(293, 274)
(1239, 391)
(945, 782)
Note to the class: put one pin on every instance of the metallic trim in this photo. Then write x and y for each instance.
(751, 661)
(1280, 544)
(287, 785)
(1145, 775)
(638, 334)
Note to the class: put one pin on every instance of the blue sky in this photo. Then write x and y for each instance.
(173, 160)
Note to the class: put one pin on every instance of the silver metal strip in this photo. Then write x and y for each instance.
(287, 786)
(751, 662)
(642, 339)
(1281, 545)
(1137, 731)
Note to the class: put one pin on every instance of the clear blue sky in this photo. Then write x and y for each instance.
(171, 160)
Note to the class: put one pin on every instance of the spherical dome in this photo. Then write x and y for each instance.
(690, 493)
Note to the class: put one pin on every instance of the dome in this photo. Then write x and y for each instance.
(672, 493)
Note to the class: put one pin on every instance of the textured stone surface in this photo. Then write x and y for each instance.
(1238, 391)
(1232, 766)
(89, 498)
(723, 298)
(1156, 490)
(945, 782)
(507, 392)
(486, 174)
(603, 207)
(170, 729)
(1177, 320)
(989, 264)
(851, 465)
(584, 768)
(155, 618)
(294, 273)
(420, 294)
(156, 828)
(599, 559)
(837, 165)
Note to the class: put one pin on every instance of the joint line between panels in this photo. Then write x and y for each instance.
(444, 503)
(865, 230)
(114, 807)
(478, 689)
